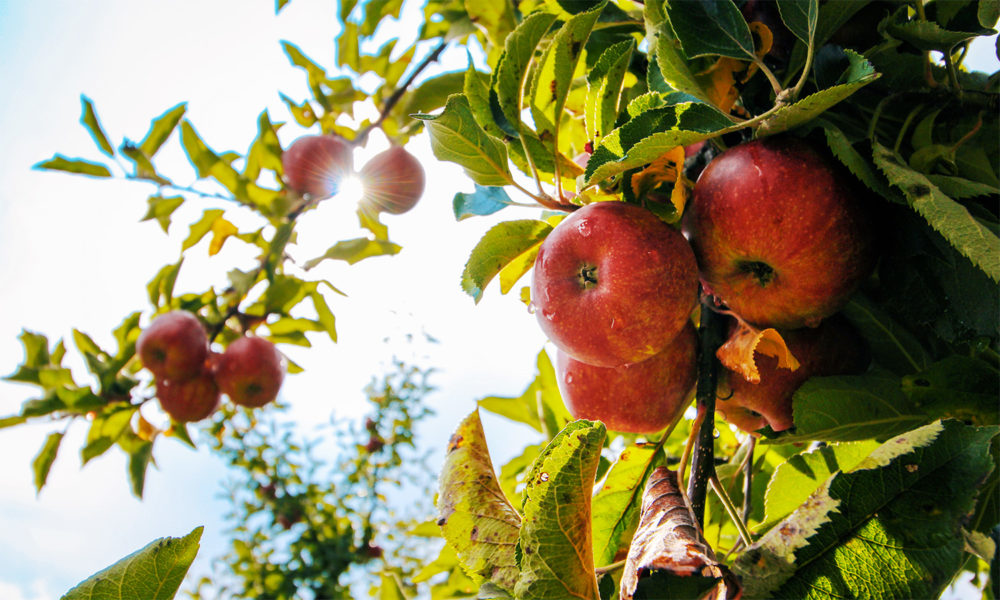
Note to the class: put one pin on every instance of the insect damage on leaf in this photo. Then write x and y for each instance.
(669, 546)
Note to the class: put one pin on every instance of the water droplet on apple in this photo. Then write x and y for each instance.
(584, 228)
(548, 315)
(569, 378)
(531, 308)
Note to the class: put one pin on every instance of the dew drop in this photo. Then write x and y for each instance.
(569, 378)
(584, 228)
(544, 476)
(548, 314)
(531, 308)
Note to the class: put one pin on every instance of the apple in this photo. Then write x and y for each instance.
(250, 371)
(316, 164)
(174, 346)
(833, 348)
(613, 284)
(642, 397)
(393, 181)
(189, 399)
(781, 233)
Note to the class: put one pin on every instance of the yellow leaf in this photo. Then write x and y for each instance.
(664, 169)
(737, 354)
(221, 229)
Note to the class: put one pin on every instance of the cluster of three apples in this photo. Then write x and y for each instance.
(190, 378)
(777, 234)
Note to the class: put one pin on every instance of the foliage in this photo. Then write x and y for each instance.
(900, 462)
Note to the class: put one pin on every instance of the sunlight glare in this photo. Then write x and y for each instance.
(351, 189)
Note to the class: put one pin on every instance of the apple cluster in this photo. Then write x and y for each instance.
(316, 165)
(190, 378)
(776, 234)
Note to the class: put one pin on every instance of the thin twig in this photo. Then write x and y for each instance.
(748, 479)
(727, 503)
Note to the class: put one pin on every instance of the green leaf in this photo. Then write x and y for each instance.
(498, 247)
(105, 431)
(514, 472)
(74, 165)
(457, 137)
(356, 250)
(552, 76)
(265, 151)
(890, 527)
(859, 74)
(496, 17)
(303, 113)
(161, 286)
(858, 165)
(670, 63)
(348, 53)
(12, 421)
(617, 502)
(324, 315)
(161, 208)
(604, 88)
(988, 12)
(88, 118)
(476, 518)
(154, 572)
(161, 128)
(798, 477)
(852, 407)
(508, 77)
(484, 201)
(952, 220)
(555, 547)
(710, 28)
(648, 135)
(201, 227)
(140, 455)
(800, 16)
(540, 406)
(928, 35)
(959, 188)
(46, 456)
(476, 88)
(961, 387)
(892, 346)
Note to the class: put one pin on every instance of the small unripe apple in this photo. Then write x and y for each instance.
(613, 284)
(642, 397)
(316, 164)
(393, 181)
(189, 399)
(833, 348)
(250, 371)
(781, 232)
(174, 346)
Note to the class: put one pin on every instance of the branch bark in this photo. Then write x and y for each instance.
(711, 333)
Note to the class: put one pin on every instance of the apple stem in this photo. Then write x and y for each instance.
(712, 333)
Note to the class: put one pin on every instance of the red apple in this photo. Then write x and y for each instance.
(189, 399)
(781, 233)
(833, 348)
(174, 346)
(642, 397)
(613, 284)
(393, 181)
(316, 164)
(250, 371)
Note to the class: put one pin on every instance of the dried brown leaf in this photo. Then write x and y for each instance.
(737, 354)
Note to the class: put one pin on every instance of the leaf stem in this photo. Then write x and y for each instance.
(610, 568)
(727, 503)
(748, 478)
(775, 84)
(810, 53)
(952, 74)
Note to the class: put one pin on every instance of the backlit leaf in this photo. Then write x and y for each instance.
(617, 501)
(508, 77)
(154, 572)
(498, 247)
(457, 137)
(555, 547)
(356, 250)
(74, 165)
(161, 128)
(221, 231)
(46, 456)
(475, 517)
(88, 118)
(105, 431)
(201, 227)
(604, 88)
(160, 208)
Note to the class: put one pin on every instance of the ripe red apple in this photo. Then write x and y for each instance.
(250, 371)
(613, 284)
(642, 397)
(393, 181)
(174, 346)
(833, 348)
(316, 164)
(781, 233)
(189, 399)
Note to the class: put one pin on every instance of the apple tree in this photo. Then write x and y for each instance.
(828, 173)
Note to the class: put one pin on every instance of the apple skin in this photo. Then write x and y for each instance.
(174, 346)
(641, 397)
(189, 399)
(613, 284)
(781, 233)
(833, 348)
(316, 164)
(250, 371)
(393, 181)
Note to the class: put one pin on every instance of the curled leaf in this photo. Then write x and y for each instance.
(669, 549)
(737, 354)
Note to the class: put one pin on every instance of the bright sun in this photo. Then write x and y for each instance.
(351, 188)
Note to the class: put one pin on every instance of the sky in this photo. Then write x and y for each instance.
(73, 254)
